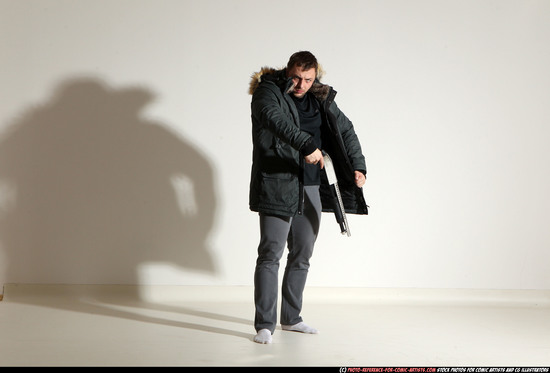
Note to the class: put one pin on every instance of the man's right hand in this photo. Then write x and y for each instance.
(315, 158)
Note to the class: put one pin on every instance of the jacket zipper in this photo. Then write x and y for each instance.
(301, 194)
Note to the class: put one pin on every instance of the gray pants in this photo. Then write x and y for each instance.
(300, 233)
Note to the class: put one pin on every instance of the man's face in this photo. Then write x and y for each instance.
(302, 79)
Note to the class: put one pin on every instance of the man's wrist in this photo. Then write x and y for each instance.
(308, 148)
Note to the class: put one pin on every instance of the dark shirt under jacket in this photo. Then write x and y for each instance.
(310, 122)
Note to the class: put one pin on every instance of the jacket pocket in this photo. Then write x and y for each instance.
(278, 189)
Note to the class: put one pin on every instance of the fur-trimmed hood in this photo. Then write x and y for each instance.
(320, 90)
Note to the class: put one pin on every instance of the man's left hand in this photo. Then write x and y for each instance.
(359, 179)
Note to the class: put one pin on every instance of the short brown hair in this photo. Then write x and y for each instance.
(304, 59)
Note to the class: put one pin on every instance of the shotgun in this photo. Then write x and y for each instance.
(339, 211)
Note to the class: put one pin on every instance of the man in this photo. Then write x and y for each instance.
(294, 119)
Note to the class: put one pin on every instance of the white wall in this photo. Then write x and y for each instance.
(125, 146)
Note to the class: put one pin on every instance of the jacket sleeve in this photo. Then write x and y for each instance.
(350, 139)
(267, 110)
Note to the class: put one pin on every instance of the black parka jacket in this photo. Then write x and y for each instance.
(276, 177)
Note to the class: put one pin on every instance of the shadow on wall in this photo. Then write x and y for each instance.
(90, 190)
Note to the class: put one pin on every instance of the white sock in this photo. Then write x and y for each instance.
(263, 336)
(300, 327)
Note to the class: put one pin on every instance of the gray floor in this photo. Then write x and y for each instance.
(43, 325)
